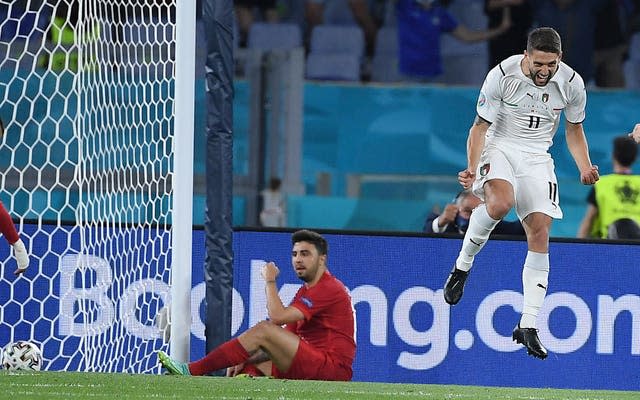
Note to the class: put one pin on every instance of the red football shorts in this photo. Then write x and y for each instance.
(311, 363)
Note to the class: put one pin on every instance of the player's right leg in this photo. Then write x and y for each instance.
(279, 344)
(499, 199)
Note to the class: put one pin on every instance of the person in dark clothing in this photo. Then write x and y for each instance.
(514, 40)
(455, 218)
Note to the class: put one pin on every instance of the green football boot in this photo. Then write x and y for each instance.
(174, 367)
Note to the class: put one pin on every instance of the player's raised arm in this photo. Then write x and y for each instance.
(278, 313)
(577, 143)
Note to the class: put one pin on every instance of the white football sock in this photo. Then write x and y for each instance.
(535, 277)
(480, 227)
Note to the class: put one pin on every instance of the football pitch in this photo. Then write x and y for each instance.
(82, 385)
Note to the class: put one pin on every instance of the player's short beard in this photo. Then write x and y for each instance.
(532, 75)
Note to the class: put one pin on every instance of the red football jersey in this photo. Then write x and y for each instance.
(329, 323)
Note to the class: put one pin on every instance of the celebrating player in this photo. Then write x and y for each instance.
(318, 339)
(8, 230)
(508, 164)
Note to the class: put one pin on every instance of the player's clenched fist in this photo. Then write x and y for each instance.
(590, 175)
(466, 178)
(270, 272)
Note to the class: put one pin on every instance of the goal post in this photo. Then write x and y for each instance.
(98, 102)
(183, 186)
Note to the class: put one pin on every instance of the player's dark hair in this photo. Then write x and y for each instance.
(275, 183)
(625, 150)
(312, 237)
(544, 39)
(463, 194)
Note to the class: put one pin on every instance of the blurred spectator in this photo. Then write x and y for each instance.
(464, 63)
(247, 10)
(610, 46)
(575, 21)
(632, 13)
(365, 14)
(514, 41)
(455, 218)
(273, 212)
(420, 24)
(614, 197)
(61, 34)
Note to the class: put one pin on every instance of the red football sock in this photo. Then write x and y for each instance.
(226, 355)
(7, 228)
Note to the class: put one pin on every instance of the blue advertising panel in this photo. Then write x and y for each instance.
(590, 322)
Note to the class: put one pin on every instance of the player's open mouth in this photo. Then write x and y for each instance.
(541, 79)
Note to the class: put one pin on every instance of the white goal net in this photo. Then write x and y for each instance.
(87, 97)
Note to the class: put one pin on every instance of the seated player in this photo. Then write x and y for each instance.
(317, 339)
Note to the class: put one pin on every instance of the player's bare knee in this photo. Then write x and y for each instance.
(263, 329)
(499, 208)
(538, 235)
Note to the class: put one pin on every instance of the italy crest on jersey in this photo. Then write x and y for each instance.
(484, 170)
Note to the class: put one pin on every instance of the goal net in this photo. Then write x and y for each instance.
(87, 96)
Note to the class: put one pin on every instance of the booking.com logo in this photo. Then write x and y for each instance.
(436, 339)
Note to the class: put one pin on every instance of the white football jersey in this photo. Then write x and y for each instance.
(524, 115)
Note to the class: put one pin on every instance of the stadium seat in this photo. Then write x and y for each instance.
(384, 65)
(333, 66)
(465, 63)
(266, 36)
(632, 64)
(327, 39)
(336, 53)
(338, 12)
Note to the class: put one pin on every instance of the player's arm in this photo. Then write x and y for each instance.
(586, 225)
(577, 143)
(475, 144)
(475, 141)
(1, 128)
(277, 312)
(465, 34)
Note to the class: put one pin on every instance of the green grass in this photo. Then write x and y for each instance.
(80, 385)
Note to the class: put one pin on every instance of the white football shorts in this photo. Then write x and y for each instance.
(532, 176)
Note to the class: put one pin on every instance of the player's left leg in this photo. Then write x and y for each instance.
(537, 203)
(534, 282)
(536, 266)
